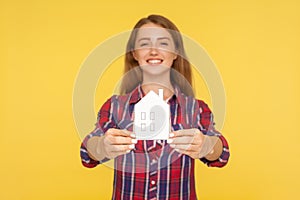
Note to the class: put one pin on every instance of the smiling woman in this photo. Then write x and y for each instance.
(155, 169)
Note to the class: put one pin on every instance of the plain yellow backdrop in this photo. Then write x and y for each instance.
(255, 45)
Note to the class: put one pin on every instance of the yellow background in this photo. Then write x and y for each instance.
(255, 45)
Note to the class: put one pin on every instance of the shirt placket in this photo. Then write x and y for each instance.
(154, 150)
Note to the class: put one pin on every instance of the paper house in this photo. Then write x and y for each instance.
(152, 117)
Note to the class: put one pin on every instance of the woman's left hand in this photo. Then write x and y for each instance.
(191, 142)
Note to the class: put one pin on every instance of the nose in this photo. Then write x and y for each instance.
(153, 51)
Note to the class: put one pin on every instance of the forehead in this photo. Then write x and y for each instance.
(152, 31)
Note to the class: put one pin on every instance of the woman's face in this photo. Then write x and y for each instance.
(154, 47)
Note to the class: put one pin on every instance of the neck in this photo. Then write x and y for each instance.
(161, 78)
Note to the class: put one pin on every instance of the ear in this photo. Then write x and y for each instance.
(134, 55)
(175, 56)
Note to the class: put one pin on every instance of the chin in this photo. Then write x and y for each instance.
(155, 69)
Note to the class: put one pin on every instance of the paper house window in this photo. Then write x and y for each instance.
(143, 115)
(152, 127)
(143, 127)
(152, 117)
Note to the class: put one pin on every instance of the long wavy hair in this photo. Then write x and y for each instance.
(181, 76)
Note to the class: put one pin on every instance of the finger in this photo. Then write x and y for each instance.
(185, 132)
(118, 140)
(189, 153)
(115, 154)
(182, 151)
(119, 132)
(182, 140)
(117, 150)
(119, 153)
(189, 147)
(122, 140)
(121, 148)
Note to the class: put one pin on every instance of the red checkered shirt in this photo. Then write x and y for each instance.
(154, 170)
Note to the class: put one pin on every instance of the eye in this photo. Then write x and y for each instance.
(164, 44)
(144, 44)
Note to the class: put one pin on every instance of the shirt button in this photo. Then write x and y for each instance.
(152, 182)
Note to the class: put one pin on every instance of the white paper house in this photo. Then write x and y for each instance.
(152, 117)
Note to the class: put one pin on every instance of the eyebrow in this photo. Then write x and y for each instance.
(160, 38)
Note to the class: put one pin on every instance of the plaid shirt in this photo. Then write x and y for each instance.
(154, 170)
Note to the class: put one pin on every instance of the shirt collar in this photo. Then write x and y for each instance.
(137, 94)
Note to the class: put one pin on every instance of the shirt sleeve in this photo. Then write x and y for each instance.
(104, 122)
(206, 125)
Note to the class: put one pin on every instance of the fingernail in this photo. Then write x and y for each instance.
(131, 146)
(169, 141)
(172, 145)
(132, 135)
(171, 135)
(134, 141)
(127, 151)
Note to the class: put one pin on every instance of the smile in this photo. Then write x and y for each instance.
(154, 61)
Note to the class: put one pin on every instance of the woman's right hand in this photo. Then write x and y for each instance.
(118, 142)
(113, 143)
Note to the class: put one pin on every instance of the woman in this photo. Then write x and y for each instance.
(155, 169)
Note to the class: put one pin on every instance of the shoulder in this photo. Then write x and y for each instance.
(184, 98)
(118, 100)
(191, 102)
(203, 107)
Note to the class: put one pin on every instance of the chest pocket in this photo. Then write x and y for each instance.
(122, 113)
(185, 114)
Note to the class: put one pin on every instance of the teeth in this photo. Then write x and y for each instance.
(154, 61)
